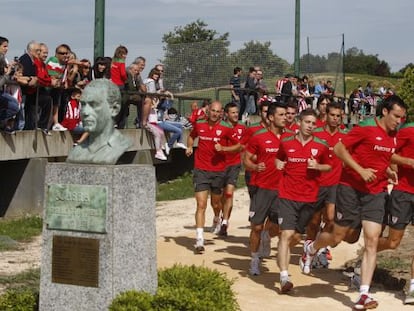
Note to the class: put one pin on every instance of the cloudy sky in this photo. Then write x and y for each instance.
(382, 28)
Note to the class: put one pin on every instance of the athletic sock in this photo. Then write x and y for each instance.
(284, 275)
(199, 232)
(312, 250)
(364, 289)
(255, 255)
(412, 285)
(224, 222)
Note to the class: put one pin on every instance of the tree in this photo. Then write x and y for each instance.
(406, 90)
(196, 57)
(357, 62)
(255, 53)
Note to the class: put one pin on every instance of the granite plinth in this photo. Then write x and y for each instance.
(127, 248)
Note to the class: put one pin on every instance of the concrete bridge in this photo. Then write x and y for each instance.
(23, 158)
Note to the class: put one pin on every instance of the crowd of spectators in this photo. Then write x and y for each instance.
(42, 92)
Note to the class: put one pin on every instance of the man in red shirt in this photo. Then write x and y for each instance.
(400, 205)
(209, 164)
(331, 134)
(366, 151)
(302, 157)
(233, 166)
(291, 113)
(260, 157)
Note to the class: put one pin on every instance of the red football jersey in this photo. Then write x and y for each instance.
(371, 147)
(405, 148)
(298, 182)
(330, 178)
(206, 157)
(265, 145)
(233, 158)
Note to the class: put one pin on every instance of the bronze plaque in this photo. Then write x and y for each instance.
(75, 261)
(76, 207)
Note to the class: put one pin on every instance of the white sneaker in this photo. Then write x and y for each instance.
(254, 266)
(181, 145)
(305, 261)
(167, 149)
(59, 127)
(160, 156)
(264, 247)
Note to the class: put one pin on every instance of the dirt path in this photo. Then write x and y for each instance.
(327, 289)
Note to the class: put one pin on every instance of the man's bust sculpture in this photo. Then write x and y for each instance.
(100, 104)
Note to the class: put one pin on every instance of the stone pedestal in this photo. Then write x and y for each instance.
(90, 254)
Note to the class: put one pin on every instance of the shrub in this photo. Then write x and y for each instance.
(184, 288)
(19, 300)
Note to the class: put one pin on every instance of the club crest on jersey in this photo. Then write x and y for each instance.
(394, 219)
(218, 132)
(240, 131)
(280, 220)
(314, 151)
(339, 215)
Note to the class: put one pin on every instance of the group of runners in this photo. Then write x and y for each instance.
(307, 175)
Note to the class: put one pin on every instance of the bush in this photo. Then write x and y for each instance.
(19, 300)
(184, 288)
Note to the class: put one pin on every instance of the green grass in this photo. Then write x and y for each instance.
(182, 188)
(392, 263)
(29, 279)
(19, 230)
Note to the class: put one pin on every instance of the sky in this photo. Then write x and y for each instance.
(382, 28)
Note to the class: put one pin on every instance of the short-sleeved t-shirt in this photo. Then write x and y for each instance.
(233, 158)
(331, 178)
(405, 148)
(206, 157)
(265, 145)
(371, 147)
(298, 182)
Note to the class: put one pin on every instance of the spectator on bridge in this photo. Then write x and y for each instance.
(250, 95)
(102, 68)
(84, 76)
(72, 120)
(235, 85)
(118, 70)
(146, 106)
(9, 105)
(198, 113)
(58, 68)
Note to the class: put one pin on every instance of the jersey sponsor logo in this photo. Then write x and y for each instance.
(297, 160)
(314, 151)
(384, 149)
(218, 132)
(271, 150)
(206, 138)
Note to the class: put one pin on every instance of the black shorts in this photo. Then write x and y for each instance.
(326, 195)
(208, 180)
(231, 175)
(353, 206)
(294, 215)
(400, 207)
(263, 205)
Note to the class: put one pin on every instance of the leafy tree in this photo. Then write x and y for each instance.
(357, 62)
(196, 57)
(406, 90)
(255, 53)
(313, 63)
(408, 66)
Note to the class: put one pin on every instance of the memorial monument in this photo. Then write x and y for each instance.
(99, 236)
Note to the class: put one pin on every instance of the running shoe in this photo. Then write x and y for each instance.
(254, 266)
(409, 298)
(265, 245)
(167, 149)
(223, 230)
(285, 286)
(305, 261)
(160, 155)
(199, 246)
(328, 254)
(365, 302)
(320, 260)
(181, 146)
